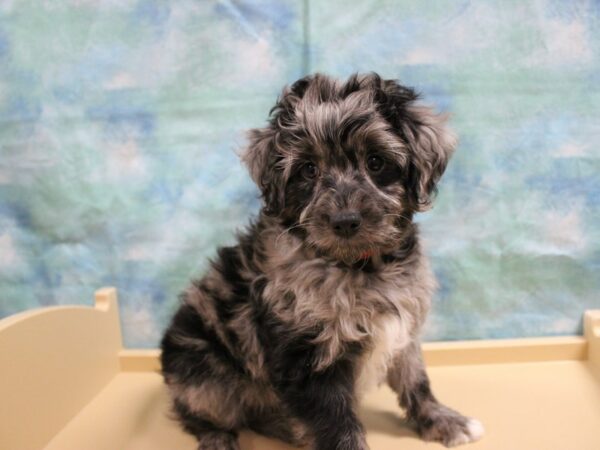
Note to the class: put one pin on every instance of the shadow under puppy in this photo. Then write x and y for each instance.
(325, 294)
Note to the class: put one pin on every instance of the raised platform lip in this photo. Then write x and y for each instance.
(14, 319)
(105, 299)
(501, 351)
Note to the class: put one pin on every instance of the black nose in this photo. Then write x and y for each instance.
(346, 223)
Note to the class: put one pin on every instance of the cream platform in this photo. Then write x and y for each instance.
(66, 384)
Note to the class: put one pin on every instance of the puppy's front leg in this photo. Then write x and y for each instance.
(434, 421)
(325, 402)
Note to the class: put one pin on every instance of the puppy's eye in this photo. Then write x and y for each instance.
(375, 163)
(309, 171)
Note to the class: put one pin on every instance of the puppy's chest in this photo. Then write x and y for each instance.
(348, 309)
(389, 335)
(329, 295)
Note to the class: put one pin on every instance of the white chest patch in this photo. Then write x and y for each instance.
(390, 334)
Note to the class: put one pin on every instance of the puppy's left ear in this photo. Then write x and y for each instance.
(431, 143)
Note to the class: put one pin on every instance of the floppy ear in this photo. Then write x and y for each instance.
(264, 154)
(261, 158)
(430, 142)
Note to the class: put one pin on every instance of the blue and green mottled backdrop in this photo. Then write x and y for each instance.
(119, 122)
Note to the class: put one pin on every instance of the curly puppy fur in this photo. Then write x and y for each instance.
(325, 294)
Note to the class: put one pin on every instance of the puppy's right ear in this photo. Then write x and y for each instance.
(265, 152)
(261, 158)
(283, 113)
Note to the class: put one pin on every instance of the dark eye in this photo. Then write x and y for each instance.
(375, 163)
(309, 171)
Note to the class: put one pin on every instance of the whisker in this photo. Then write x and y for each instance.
(287, 230)
(398, 215)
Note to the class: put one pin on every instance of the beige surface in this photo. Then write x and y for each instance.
(529, 406)
(53, 361)
(66, 383)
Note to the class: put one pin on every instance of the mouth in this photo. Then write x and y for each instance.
(367, 243)
(348, 253)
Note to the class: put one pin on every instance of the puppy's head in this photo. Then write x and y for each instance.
(345, 165)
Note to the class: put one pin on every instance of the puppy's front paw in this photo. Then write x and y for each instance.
(449, 427)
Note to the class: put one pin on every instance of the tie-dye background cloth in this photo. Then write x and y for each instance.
(119, 122)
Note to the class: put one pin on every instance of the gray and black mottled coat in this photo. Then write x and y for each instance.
(325, 293)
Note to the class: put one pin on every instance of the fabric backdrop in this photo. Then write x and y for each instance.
(119, 123)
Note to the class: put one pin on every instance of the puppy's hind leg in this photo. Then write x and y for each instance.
(209, 436)
(218, 440)
(277, 424)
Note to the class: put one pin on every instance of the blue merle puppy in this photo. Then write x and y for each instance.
(325, 294)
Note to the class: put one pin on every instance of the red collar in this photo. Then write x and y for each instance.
(365, 255)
